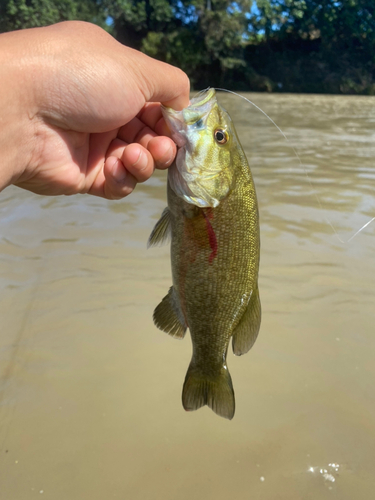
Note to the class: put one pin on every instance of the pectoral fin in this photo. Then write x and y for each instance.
(168, 316)
(246, 332)
(162, 229)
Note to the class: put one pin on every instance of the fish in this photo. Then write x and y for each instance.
(213, 221)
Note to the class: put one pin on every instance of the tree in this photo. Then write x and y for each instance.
(203, 37)
(19, 14)
(132, 20)
(296, 45)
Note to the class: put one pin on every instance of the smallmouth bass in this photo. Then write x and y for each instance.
(212, 218)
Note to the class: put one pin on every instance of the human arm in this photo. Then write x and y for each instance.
(80, 113)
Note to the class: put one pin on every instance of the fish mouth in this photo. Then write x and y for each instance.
(201, 99)
(186, 176)
(200, 104)
(194, 114)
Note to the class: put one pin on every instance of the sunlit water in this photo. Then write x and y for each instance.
(90, 390)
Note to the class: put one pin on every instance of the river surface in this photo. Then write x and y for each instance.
(90, 390)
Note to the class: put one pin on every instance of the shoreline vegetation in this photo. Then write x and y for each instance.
(302, 46)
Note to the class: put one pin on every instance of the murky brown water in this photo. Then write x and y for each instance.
(90, 389)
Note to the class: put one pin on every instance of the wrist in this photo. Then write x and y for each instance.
(17, 113)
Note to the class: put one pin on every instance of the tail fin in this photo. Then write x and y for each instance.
(215, 391)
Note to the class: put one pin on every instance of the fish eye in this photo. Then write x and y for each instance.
(221, 136)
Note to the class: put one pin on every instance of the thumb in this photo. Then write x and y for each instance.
(162, 82)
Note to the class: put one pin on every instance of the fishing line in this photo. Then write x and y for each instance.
(304, 169)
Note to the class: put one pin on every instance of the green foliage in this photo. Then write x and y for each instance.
(19, 14)
(293, 45)
(172, 48)
(208, 40)
(133, 20)
(315, 46)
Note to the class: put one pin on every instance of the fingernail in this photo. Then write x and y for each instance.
(166, 159)
(119, 172)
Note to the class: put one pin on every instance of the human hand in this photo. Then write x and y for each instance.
(81, 112)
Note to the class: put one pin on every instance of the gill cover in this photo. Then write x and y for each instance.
(204, 133)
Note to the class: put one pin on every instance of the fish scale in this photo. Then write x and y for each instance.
(214, 226)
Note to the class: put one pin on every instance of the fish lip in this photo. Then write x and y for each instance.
(203, 97)
(178, 121)
(184, 125)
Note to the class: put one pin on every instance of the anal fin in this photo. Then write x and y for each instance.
(246, 332)
(168, 316)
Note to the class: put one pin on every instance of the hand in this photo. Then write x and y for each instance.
(81, 112)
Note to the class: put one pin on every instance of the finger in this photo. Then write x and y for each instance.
(150, 114)
(163, 150)
(117, 182)
(136, 131)
(116, 148)
(138, 161)
(98, 144)
(161, 128)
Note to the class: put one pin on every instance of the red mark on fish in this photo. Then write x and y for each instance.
(208, 215)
